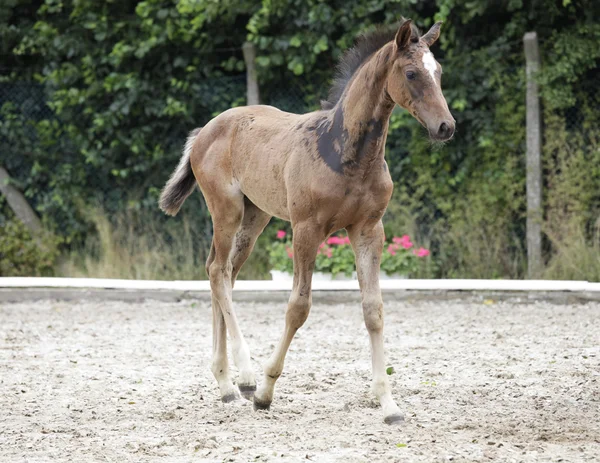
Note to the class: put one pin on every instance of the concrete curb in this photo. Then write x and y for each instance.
(15, 289)
(8, 295)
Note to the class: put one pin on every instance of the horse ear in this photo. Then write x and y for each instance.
(404, 34)
(433, 34)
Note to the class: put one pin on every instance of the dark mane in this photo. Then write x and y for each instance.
(353, 58)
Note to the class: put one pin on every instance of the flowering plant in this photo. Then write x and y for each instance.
(400, 257)
(281, 253)
(334, 256)
(324, 259)
(340, 255)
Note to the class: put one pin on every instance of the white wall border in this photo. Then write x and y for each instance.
(269, 285)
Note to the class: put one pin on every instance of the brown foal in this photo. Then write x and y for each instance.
(322, 171)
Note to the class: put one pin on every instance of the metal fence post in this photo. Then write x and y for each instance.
(534, 163)
(253, 95)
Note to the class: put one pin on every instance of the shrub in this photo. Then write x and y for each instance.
(138, 245)
(336, 256)
(342, 256)
(25, 254)
(281, 253)
(399, 257)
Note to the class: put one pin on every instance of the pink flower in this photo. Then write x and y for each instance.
(290, 252)
(329, 252)
(403, 241)
(281, 234)
(421, 252)
(338, 240)
(392, 248)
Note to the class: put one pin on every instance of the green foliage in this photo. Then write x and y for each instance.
(281, 254)
(25, 254)
(125, 81)
(572, 202)
(335, 257)
(323, 261)
(135, 245)
(342, 260)
(400, 257)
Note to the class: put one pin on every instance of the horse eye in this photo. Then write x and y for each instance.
(410, 75)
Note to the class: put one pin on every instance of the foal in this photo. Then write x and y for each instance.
(322, 171)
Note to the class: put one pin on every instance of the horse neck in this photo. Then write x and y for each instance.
(366, 109)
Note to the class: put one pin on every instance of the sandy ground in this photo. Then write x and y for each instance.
(131, 382)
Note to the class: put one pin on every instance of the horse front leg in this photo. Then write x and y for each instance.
(306, 242)
(367, 242)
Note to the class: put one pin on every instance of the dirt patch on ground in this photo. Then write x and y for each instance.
(131, 382)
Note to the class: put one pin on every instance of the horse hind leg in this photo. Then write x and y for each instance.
(254, 222)
(227, 210)
(220, 364)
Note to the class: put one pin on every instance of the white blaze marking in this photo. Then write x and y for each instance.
(429, 63)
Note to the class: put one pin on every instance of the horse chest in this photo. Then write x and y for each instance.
(364, 199)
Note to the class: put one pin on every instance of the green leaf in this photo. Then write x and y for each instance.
(263, 61)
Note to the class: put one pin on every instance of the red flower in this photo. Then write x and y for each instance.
(281, 234)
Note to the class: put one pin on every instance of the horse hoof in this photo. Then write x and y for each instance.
(229, 398)
(258, 405)
(247, 391)
(394, 419)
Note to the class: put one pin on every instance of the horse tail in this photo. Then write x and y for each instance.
(181, 184)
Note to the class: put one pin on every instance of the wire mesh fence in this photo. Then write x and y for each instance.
(30, 99)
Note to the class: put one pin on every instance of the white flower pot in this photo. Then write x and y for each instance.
(278, 275)
(321, 276)
(393, 276)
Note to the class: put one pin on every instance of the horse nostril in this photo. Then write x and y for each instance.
(445, 130)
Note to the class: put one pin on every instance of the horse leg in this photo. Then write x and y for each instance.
(367, 242)
(306, 241)
(227, 210)
(254, 222)
(220, 364)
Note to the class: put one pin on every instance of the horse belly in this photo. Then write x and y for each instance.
(266, 189)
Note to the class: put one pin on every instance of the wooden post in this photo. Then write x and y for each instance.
(18, 203)
(534, 163)
(253, 95)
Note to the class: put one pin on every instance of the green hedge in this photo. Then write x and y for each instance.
(125, 81)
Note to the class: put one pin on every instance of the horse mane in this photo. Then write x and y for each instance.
(353, 58)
